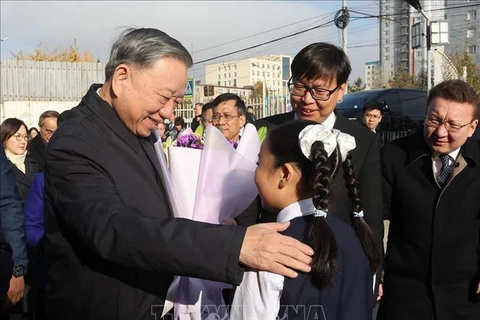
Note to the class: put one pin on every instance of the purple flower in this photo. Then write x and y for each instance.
(190, 141)
(234, 144)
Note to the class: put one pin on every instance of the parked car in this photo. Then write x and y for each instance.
(404, 108)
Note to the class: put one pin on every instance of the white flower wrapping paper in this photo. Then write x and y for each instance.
(209, 185)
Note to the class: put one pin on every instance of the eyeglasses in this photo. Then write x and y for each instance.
(299, 90)
(48, 133)
(227, 117)
(449, 126)
(374, 116)
(19, 137)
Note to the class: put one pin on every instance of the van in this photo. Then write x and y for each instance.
(404, 108)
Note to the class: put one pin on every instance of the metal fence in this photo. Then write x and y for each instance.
(388, 136)
(23, 80)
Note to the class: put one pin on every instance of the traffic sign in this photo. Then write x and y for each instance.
(189, 88)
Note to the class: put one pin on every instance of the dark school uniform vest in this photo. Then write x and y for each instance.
(348, 297)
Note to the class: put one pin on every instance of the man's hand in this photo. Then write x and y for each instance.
(478, 288)
(16, 289)
(265, 249)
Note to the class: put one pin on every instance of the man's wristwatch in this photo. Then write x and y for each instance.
(18, 271)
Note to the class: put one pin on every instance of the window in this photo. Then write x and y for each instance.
(268, 74)
(387, 41)
(368, 72)
(472, 49)
(219, 83)
(228, 67)
(387, 58)
(368, 67)
(472, 15)
(387, 49)
(268, 66)
(229, 83)
(263, 73)
(235, 74)
(218, 68)
(219, 76)
(258, 73)
(471, 32)
(229, 75)
(224, 75)
(253, 72)
(263, 65)
(391, 65)
(387, 7)
(387, 32)
(419, 53)
(387, 24)
(235, 66)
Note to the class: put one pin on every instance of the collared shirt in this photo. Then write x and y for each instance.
(329, 122)
(437, 163)
(258, 296)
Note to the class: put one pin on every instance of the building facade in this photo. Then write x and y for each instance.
(273, 70)
(396, 52)
(372, 75)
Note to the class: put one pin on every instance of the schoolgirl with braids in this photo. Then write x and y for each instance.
(297, 162)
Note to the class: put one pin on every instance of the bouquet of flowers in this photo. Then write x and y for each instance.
(210, 180)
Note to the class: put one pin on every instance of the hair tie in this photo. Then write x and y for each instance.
(358, 214)
(319, 213)
(330, 139)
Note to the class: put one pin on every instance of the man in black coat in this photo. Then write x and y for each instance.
(36, 147)
(319, 78)
(112, 243)
(431, 193)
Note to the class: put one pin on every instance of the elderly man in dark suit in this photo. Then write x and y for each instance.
(431, 193)
(36, 147)
(112, 243)
(319, 78)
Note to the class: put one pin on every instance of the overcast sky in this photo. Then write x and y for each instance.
(206, 28)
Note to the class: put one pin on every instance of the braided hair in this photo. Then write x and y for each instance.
(317, 174)
(363, 231)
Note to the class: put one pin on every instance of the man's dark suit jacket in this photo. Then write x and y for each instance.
(112, 245)
(36, 149)
(366, 161)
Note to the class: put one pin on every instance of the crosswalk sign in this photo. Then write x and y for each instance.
(189, 88)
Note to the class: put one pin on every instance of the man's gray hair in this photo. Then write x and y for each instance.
(143, 47)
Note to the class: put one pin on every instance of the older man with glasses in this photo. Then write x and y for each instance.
(229, 115)
(47, 124)
(431, 191)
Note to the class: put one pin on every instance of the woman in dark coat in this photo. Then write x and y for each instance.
(14, 137)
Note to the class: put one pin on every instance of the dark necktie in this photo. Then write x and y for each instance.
(445, 171)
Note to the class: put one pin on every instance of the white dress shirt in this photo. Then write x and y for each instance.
(258, 296)
(329, 122)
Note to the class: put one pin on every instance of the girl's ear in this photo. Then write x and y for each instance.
(290, 175)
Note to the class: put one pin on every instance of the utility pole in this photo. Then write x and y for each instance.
(342, 17)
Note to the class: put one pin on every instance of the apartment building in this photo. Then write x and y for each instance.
(372, 75)
(273, 70)
(397, 18)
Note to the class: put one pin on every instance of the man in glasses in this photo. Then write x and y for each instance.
(372, 114)
(47, 124)
(229, 115)
(431, 194)
(320, 73)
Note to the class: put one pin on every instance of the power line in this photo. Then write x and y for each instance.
(264, 43)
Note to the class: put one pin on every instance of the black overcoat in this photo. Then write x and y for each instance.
(432, 259)
(111, 242)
